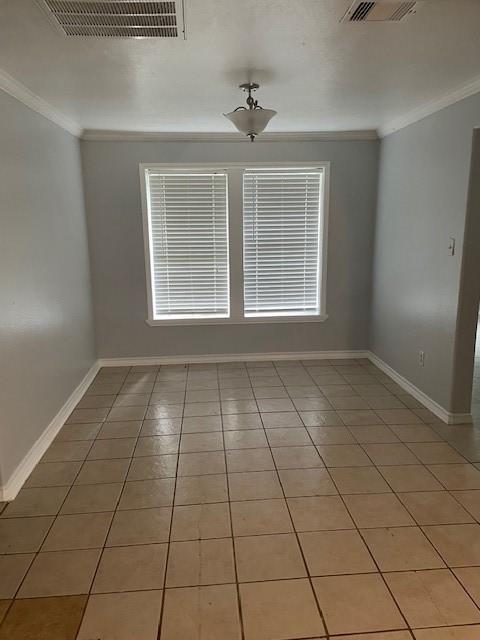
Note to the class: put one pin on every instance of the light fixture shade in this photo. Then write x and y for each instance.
(251, 121)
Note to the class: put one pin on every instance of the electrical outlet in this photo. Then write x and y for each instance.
(421, 358)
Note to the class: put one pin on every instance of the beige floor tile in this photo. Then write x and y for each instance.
(126, 413)
(103, 471)
(156, 445)
(246, 439)
(254, 485)
(211, 395)
(398, 416)
(201, 489)
(401, 549)
(126, 429)
(458, 544)
(198, 613)
(434, 507)
(132, 568)
(270, 392)
(141, 526)
(132, 400)
(95, 402)
(200, 409)
(457, 477)
(385, 402)
(200, 562)
(415, 433)
(449, 633)
(349, 403)
(378, 510)
(337, 390)
(231, 407)
(312, 404)
(111, 448)
(470, 500)
(320, 418)
(357, 603)
(116, 616)
(390, 454)
(161, 411)
(67, 451)
(373, 434)
(43, 619)
(297, 457)
(410, 478)
(45, 501)
(306, 482)
(359, 480)
(191, 442)
(161, 427)
(269, 557)
(60, 573)
(23, 535)
(335, 553)
(201, 463)
(330, 435)
(319, 513)
(92, 498)
(88, 415)
(386, 635)
(201, 521)
(344, 455)
(249, 460)
(72, 432)
(147, 494)
(279, 420)
(12, 570)
(289, 437)
(432, 598)
(260, 517)
(242, 421)
(470, 578)
(271, 405)
(167, 397)
(4, 605)
(201, 424)
(435, 453)
(79, 531)
(359, 417)
(150, 467)
(53, 474)
(279, 610)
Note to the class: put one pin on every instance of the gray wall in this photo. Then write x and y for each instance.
(46, 323)
(112, 195)
(422, 201)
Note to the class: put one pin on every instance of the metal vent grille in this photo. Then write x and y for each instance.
(380, 11)
(117, 18)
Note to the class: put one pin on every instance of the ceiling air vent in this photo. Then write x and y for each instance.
(117, 18)
(379, 11)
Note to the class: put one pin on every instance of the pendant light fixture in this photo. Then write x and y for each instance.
(252, 119)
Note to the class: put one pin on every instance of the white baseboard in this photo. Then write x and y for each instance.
(9, 490)
(232, 357)
(434, 407)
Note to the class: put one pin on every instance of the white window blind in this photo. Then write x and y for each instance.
(282, 241)
(188, 239)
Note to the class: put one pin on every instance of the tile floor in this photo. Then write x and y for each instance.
(254, 501)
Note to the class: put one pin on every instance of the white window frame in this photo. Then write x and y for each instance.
(235, 233)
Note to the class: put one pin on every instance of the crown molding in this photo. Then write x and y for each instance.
(21, 93)
(167, 136)
(430, 108)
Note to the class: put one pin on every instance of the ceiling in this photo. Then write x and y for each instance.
(318, 73)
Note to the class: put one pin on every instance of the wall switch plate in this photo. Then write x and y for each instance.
(451, 246)
(421, 358)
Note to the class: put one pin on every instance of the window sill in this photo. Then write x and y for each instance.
(217, 321)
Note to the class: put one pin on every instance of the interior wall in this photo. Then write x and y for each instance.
(46, 320)
(422, 203)
(112, 195)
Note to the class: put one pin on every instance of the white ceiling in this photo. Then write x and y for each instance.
(319, 74)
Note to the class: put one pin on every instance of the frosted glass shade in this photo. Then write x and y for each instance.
(251, 121)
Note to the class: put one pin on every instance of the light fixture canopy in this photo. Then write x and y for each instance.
(252, 119)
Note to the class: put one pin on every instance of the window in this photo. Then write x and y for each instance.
(188, 244)
(235, 243)
(281, 241)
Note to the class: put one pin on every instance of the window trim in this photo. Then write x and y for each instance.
(235, 236)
